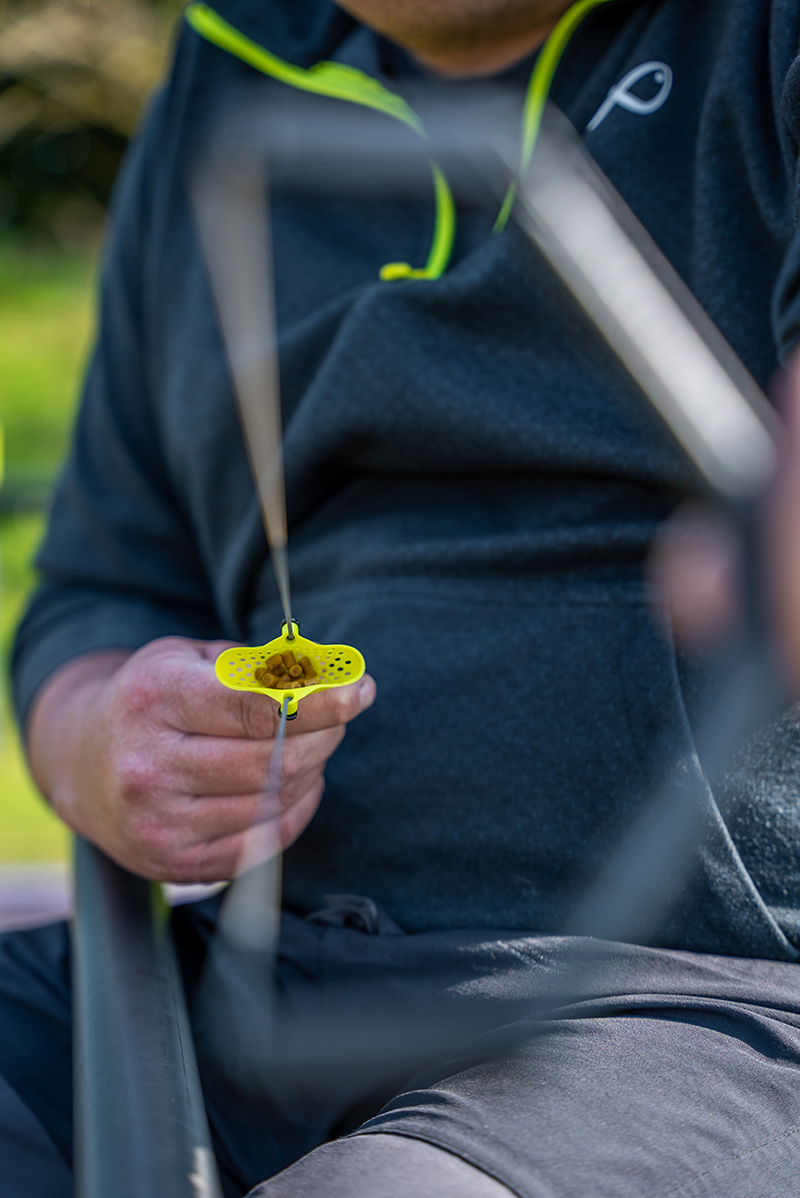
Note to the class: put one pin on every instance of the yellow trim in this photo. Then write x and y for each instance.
(539, 88)
(444, 233)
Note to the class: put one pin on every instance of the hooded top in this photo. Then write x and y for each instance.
(472, 485)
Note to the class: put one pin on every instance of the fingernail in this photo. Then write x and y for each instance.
(366, 692)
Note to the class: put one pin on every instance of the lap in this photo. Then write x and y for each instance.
(677, 1073)
(381, 1166)
(633, 1105)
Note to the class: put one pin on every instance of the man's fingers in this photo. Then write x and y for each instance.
(309, 750)
(214, 861)
(211, 765)
(219, 858)
(171, 681)
(324, 709)
(182, 836)
(199, 703)
(211, 819)
(268, 801)
(339, 705)
(214, 819)
(692, 570)
(211, 649)
(251, 715)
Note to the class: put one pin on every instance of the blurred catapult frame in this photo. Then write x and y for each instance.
(141, 1127)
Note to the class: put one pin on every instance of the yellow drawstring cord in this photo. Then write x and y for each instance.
(539, 87)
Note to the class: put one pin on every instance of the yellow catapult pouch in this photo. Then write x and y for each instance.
(334, 665)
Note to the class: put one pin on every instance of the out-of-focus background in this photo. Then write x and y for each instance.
(74, 77)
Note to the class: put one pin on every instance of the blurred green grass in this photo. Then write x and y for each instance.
(46, 317)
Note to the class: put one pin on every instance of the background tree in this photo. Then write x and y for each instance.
(74, 75)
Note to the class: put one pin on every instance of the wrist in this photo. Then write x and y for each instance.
(64, 714)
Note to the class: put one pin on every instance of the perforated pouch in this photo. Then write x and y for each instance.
(334, 665)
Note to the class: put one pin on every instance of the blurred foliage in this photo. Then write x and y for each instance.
(28, 829)
(46, 318)
(74, 75)
(46, 314)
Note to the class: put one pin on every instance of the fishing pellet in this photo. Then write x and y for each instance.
(265, 676)
(283, 672)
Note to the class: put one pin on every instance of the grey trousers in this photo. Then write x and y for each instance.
(640, 1073)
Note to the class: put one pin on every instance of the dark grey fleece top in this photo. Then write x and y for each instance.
(462, 456)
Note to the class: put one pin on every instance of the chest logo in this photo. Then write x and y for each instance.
(621, 95)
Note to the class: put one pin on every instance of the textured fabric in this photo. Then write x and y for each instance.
(382, 1166)
(560, 1067)
(465, 462)
(36, 1037)
(641, 1102)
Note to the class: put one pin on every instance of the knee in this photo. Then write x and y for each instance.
(381, 1165)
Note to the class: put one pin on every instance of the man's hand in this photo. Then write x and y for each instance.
(696, 563)
(152, 759)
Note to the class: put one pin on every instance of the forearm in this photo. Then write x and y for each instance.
(58, 725)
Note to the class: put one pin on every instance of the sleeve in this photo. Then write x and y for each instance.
(119, 564)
